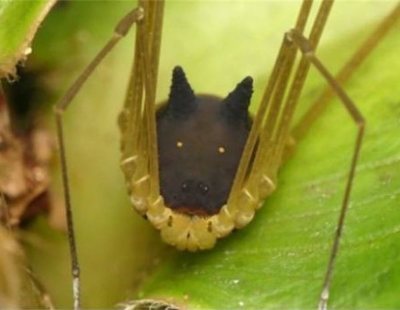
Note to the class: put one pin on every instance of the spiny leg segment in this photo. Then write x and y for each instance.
(120, 31)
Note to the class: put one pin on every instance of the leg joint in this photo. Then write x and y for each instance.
(293, 35)
(128, 20)
(58, 111)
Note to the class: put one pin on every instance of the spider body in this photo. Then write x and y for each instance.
(200, 142)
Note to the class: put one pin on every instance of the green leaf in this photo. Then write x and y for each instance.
(19, 21)
(279, 259)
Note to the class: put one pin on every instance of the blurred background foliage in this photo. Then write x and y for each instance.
(279, 259)
(21, 19)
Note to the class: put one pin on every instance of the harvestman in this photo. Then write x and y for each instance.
(198, 226)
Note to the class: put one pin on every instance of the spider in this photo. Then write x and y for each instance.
(204, 236)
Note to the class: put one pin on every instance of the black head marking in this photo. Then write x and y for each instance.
(182, 100)
(236, 104)
(200, 142)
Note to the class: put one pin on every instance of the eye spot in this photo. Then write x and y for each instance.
(179, 144)
(203, 188)
(184, 186)
(221, 150)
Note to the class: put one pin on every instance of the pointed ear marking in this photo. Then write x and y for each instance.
(181, 97)
(238, 101)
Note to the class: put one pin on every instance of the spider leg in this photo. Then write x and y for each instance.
(308, 51)
(45, 298)
(281, 136)
(277, 80)
(345, 73)
(120, 31)
(139, 147)
(262, 156)
(150, 40)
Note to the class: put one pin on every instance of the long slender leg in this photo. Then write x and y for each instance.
(276, 136)
(355, 114)
(282, 135)
(150, 39)
(45, 298)
(139, 147)
(120, 31)
(277, 80)
(345, 73)
(262, 156)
